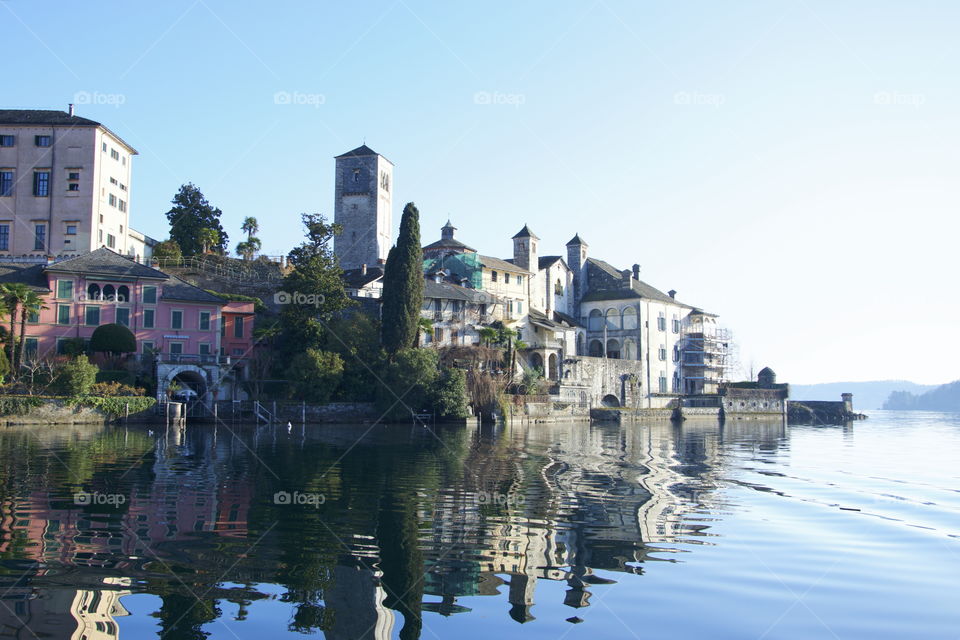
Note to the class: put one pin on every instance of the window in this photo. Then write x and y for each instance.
(438, 334)
(113, 181)
(676, 325)
(104, 147)
(31, 346)
(493, 276)
(176, 348)
(204, 349)
(73, 175)
(506, 278)
(114, 154)
(663, 383)
(112, 200)
(123, 293)
(33, 317)
(204, 321)
(149, 295)
(92, 316)
(100, 234)
(7, 141)
(6, 183)
(662, 352)
(4, 237)
(63, 313)
(42, 141)
(71, 229)
(147, 347)
(41, 183)
(39, 237)
(176, 319)
(73, 186)
(676, 353)
(662, 322)
(149, 318)
(123, 316)
(238, 327)
(122, 205)
(519, 306)
(238, 352)
(223, 326)
(123, 187)
(64, 289)
(111, 240)
(519, 279)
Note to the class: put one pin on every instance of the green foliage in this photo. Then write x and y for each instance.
(314, 375)
(315, 273)
(250, 226)
(114, 339)
(532, 382)
(4, 366)
(73, 347)
(18, 405)
(75, 377)
(450, 394)
(209, 239)
(169, 249)
(109, 389)
(120, 376)
(116, 406)
(357, 339)
(408, 384)
(403, 285)
(258, 304)
(191, 213)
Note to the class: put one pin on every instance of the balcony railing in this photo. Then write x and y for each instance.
(186, 358)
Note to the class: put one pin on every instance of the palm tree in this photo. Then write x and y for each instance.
(250, 226)
(31, 303)
(208, 238)
(245, 250)
(13, 294)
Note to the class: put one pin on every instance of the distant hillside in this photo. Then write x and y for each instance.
(866, 395)
(943, 398)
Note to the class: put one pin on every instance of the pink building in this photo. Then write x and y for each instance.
(179, 328)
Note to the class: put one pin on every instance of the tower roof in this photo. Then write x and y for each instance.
(448, 225)
(360, 152)
(576, 240)
(526, 233)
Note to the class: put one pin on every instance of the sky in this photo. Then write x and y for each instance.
(789, 165)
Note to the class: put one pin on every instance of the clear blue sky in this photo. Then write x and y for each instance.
(791, 166)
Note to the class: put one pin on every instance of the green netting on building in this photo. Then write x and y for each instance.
(460, 265)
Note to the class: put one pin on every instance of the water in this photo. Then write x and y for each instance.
(752, 530)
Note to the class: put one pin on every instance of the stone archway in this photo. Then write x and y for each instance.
(610, 400)
(552, 371)
(536, 361)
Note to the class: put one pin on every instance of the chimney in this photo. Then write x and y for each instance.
(363, 269)
(70, 109)
(636, 272)
(672, 293)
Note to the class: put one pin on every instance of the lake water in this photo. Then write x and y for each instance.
(749, 530)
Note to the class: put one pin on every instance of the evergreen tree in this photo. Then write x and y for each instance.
(403, 285)
(191, 212)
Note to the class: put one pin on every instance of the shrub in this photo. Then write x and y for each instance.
(4, 366)
(111, 389)
(450, 394)
(314, 375)
(408, 384)
(77, 376)
(117, 406)
(168, 249)
(18, 406)
(73, 347)
(113, 338)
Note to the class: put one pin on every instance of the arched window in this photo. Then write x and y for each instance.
(558, 288)
(613, 319)
(613, 349)
(536, 361)
(596, 349)
(123, 293)
(630, 318)
(580, 351)
(109, 292)
(93, 292)
(596, 320)
(629, 349)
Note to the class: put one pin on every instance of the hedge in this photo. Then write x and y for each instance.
(19, 405)
(115, 406)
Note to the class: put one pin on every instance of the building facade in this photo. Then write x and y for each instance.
(363, 207)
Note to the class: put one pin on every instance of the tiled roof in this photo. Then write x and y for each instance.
(106, 263)
(546, 261)
(640, 288)
(43, 117)
(525, 233)
(29, 274)
(497, 263)
(177, 289)
(357, 279)
(576, 240)
(447, 291)
(449, 243)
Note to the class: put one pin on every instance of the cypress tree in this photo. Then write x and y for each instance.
(403, 285)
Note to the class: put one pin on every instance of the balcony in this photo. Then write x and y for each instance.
(186, 358)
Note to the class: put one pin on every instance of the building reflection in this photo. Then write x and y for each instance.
(413, 522)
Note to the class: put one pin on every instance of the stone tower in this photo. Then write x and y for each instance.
(525, 249)
(577, 261)
(363, 206)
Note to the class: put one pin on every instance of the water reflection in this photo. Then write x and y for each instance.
(410, 521)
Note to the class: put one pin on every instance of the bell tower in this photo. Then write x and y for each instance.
(363, 206)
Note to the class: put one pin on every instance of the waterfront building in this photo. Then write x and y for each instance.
(183, 333)
(363, 207)
(65, 187)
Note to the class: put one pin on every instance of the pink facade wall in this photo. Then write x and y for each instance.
(234, 346)
(48, 330)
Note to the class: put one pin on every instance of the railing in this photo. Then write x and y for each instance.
(184, 358)
(262, 413)
(234, 270)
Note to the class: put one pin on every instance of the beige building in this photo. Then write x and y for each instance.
(64, 187)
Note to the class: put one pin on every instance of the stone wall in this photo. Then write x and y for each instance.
(740, 402)
(602, 377)
(58, 412)
(296, 412)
